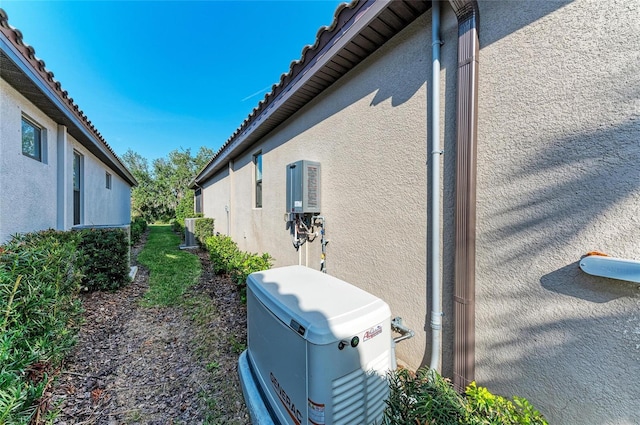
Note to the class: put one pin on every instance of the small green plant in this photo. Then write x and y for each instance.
(236, 346)
(486, 408)
(211, 366)
(425, 397)
(204, 229)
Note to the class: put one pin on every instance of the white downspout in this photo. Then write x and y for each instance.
(436, 152)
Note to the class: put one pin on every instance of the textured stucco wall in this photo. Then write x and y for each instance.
(101, 205)
(369, 133)
(558, 176)
(215, 200)
(27, 186)
(558, 148)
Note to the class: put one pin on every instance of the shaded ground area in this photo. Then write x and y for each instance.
(140, 365)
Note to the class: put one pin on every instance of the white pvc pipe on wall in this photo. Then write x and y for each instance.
(436, 152)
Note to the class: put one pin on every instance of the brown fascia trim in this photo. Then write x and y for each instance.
(325, 37)
(46, 77)
(465, 213)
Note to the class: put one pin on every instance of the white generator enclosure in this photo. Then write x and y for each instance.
(319, 350)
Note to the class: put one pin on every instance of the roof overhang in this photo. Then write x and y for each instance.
(23, 71)
(358, 29)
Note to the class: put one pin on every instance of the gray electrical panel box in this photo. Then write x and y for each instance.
(303, 187)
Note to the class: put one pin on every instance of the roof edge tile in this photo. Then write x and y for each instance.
(15, 36)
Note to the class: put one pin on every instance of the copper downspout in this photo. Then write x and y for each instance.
(465, 215)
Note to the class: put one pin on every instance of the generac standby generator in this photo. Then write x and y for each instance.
(319, 350)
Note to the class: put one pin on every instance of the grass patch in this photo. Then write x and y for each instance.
(171, 271)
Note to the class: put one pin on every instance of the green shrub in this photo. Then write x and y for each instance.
(176, 227)
(107, 258)
(39, 316)
(484, 408)
(245, 264)
(204, 229)
(138, 227)
(224, 253)
(425, 397)
(227, 258)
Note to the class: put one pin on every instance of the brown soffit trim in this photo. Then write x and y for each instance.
(465, 215)
(334, 44)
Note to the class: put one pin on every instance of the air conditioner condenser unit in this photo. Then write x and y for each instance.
(319, 350)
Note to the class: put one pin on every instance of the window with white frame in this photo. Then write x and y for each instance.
(107, 177)
(32, 139)
(257, 161)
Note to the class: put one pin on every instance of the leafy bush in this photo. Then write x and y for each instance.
(138, 227)
(107, 258)
(485, 408)
(227, 258)
(245, 264)
(425, 397)
(39, 315)
(224, 253)
(204, 229)
(176, 227)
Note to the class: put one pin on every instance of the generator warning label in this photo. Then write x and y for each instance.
(371, 333)
(316, 413)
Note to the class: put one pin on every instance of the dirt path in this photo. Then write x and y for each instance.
(138, 365)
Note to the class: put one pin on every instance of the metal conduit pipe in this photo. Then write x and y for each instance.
(436, 152)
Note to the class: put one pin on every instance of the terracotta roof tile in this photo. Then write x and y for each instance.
(323, 36)
(28, 52)
(382, 20)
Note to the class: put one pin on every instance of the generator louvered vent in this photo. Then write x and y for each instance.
(319, 349)
(358, 397)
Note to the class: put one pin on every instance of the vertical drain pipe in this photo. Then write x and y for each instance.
(436, 152)
(465, 216)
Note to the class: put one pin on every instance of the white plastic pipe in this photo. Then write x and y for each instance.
(436, 267)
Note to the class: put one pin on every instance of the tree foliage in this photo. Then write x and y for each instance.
(163, 185)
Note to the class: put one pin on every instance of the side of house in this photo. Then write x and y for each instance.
(554, 162)
(56, 170)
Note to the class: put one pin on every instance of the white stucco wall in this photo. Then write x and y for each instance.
(100, 205)
(27, 186)
(558, 148)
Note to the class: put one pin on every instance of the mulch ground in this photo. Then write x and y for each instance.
(141, 365)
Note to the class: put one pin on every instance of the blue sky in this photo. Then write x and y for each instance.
(155, 76)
